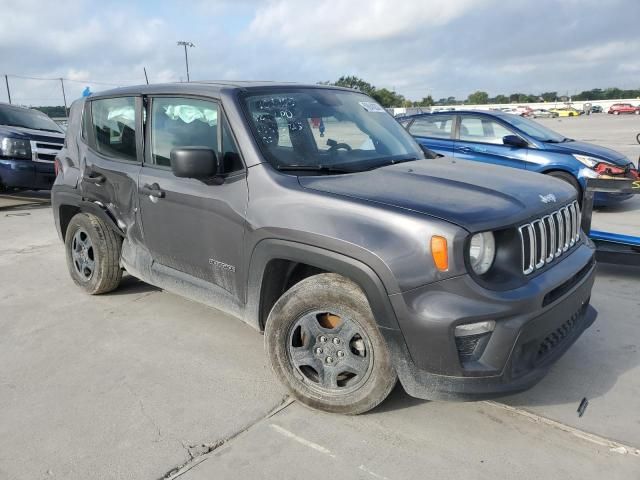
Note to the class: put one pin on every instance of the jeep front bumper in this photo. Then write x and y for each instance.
(534, 325)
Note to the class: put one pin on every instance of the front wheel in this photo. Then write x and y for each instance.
(93, 254)
(325, 346)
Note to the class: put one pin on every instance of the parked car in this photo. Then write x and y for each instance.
(565, 111)
(596, 109)
(29, 141)
(524, 110)
(543, 113)
(509, 140)
(361, 256)
(620, 108)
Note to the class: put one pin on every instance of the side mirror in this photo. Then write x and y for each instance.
(514, 141)
(194, 162)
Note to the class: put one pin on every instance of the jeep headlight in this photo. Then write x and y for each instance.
(482, 252)
(588, 161)
(15, 148)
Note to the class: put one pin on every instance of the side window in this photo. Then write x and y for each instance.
(182, 122)
(83, 120)
(483, 130)
(231, 161)
(114, 124)
(438, 126)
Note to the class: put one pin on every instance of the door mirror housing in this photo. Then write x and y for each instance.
(194, 162)
(514, 141)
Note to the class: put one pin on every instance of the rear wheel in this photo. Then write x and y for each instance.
(325, 346)
(93, 254)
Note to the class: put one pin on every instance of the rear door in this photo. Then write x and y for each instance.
(480, 139)
(109, 167)
(434, 132)
(192, 226)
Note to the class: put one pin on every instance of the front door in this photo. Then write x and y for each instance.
(480, 139)
(434, 132)
(192, 226)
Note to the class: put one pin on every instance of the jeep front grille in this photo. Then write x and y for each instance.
(43, 151)
(547, 238)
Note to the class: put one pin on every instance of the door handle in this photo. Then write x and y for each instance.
(465, 149)
(152, 190)
(95, 178)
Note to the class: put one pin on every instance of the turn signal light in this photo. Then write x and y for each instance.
(440, 252)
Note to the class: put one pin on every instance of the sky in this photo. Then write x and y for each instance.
(415, 47)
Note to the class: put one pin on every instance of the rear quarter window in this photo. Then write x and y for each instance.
(113, 121)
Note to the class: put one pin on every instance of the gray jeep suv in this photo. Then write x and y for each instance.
(311, 214)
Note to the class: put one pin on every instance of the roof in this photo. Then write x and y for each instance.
(213, 87)
(10, 105)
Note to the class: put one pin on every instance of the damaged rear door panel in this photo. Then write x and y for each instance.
(110, 168)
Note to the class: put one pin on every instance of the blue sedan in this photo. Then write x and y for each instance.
(513, 141)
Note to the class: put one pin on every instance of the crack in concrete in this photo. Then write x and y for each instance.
(198, 453)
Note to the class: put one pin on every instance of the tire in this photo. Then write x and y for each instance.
(616, 112)
(637, 112)
(571, 180)
(93, 254)
(323, 375)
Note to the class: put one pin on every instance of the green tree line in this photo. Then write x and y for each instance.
(391, 98)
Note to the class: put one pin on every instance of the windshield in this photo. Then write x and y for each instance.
(338, 131)
(23, 117)
(537, 131)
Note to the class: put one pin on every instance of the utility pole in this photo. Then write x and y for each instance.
(64, 97)
(6, 80)
(186, 57)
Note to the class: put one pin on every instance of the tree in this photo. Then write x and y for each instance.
(351, 81)
(387, 98)
(501, 99)
(478, 98)
(425, 102)
(549, 96)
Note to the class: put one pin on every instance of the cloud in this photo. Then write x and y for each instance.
(321, 24)
(438, 47)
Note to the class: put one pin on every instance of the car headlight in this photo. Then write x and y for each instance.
(15, 148)
(482, 252)
(587, 160)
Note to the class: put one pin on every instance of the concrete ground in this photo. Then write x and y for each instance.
(142, 384)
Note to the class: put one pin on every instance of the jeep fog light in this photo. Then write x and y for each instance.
(477, 328)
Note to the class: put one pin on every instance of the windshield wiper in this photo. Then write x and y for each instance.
(568, 140)
(314, 168)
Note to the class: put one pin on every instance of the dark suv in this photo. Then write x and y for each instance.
(311, 214)
(29, 142)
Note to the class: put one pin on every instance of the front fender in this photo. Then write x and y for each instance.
(271, 249)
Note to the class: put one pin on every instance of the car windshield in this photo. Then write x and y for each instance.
(537, 131)
(23, 117)
(328, 130)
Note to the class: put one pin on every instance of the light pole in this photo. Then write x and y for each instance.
(186, 57)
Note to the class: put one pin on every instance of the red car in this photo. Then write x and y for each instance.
(618, 108)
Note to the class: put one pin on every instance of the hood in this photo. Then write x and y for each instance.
(472, 195)
(584, 148)
(31, 134)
